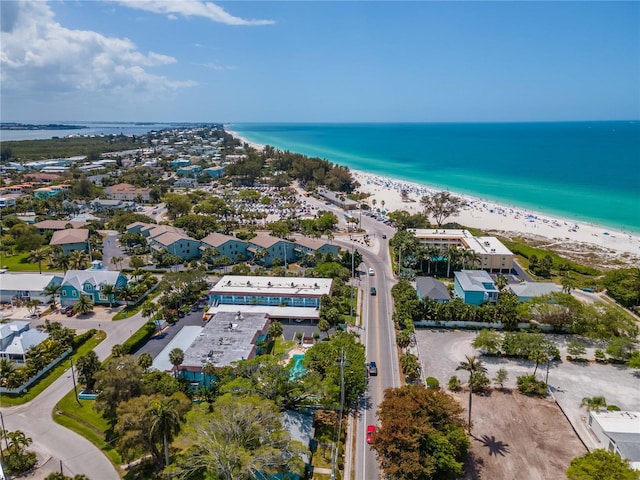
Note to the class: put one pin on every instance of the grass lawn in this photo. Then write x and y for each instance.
(127, 312)
(53, 374)
(19, 263)
(86, 421)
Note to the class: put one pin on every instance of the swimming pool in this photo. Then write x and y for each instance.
(297, 369)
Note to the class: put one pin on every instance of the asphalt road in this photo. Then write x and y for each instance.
(378, 336)
(78, 455)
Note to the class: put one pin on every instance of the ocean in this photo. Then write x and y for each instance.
(581, 171)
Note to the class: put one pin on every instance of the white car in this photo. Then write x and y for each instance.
(371, 272)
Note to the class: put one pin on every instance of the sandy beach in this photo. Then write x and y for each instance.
(495, 217)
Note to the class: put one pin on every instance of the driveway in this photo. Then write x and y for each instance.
(443, 350)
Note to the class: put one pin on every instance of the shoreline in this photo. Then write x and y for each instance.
(490, 215)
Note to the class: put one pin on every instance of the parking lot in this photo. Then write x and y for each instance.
(441, 351)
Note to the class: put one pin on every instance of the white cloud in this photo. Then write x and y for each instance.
(191, 8)
(41, 58)
(218, 67)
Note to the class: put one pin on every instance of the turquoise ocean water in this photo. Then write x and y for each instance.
(582, 171)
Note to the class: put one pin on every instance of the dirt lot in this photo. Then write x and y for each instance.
(518, 437)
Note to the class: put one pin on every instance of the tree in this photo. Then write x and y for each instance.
(83, 305)
(576, 349)
(87, 366)
(145, 360)
(568, 282)
(149, 309)
(442, 205)
(38, 255)
(177, 205)
(119, 381)
(488, 341)
(501, 377)
(165, 421)
(52, 290)
(109, 291)
(601, 464)
(275, 330)
(324, 326)
(176, 357)
(403, 338)
(421, 434)
(621, 349)
(150, 422)
(471, 365)
(410, 365)
(241, 436)
(593, 403)
(115, 261)
(78, 260)
(7, 368)
(501, 282)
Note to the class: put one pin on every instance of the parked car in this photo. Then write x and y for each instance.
(372, 369)
(371, 431)
(69, 313)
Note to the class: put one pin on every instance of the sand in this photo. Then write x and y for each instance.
(495, 217)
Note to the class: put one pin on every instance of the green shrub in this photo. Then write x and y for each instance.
(433, 382)
(530, 385)
(480, 382)
(139, 338)
(17, 462)
(613, 408)
(79, 340)
(455, 385)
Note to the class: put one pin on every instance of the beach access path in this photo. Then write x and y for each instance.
(57, 446)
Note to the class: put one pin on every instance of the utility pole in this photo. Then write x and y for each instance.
(75, 387)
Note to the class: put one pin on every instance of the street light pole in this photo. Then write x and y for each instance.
(4, 432)
(75, 387)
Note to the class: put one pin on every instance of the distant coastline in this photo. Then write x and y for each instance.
(11, 126)
(569, 170)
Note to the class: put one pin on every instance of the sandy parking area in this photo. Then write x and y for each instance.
(534, 423)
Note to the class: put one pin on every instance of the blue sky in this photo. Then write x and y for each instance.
(334, 61)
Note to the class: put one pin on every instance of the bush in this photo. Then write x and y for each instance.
(17, 463)
(79, 340)
(530, 385)
(455, 385)
(480, 382)
(139, 338)
(433, 382)
(613, 408)
(600, 356)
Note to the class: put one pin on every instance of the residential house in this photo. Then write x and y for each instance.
(71, 240)
(55, 225)
(180, 162)
(174, 240)
(26, 286)
(268, 248)
(226, 245)
(47, 192)
(126, 191)
(7, 201)
(309, 246)
(618, 432)
(525, 291)
(90, 283)
(475, 287)
(189, 171)
(214, 172)
(280, 297)
(101, 205)
(16, 338)
(429, 287)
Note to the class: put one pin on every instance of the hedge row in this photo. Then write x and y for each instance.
(139, 338)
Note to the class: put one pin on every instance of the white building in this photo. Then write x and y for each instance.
(26, 286)
(492, 254)
(618, 432)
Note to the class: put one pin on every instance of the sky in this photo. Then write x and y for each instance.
(307, 61)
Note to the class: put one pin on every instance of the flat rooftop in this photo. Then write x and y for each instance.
(480, 245)
(272, 286)
(183, 339)
(228, 337)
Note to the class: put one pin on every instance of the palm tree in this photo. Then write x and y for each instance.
(63, 261)
(117, 350)
(109, 291)
(471, 365)
(115, 261)
(18, 441)
(52, 289)
(410, 365)
(38, 255)
(594, 403)
(165, 422)
(403, 339)
(452, 256)
(324, 326)
(7, 367)
(176, 357)
(501, 282)
(469, 256)
(145, 360)
(83, 305)
(149, 309)
(79, 260)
